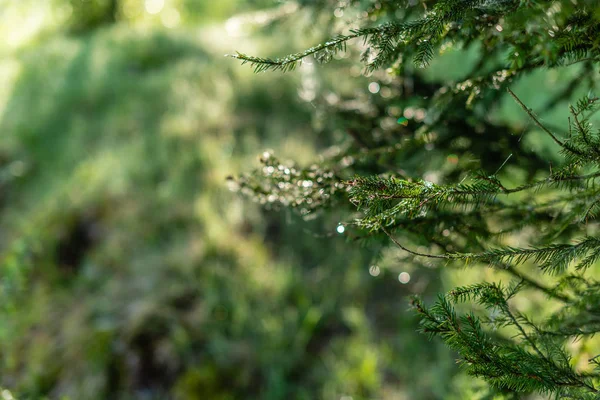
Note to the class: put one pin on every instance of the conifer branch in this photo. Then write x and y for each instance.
(388, 38)
(534, 118)
(505, 267)
(534, 284)
(463, 221)
(291, 61)
(415, 253)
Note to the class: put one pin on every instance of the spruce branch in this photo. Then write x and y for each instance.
(387, 39)
(384, 199)
(291, 61)
(500, 265)
(553, 259)
(467, 222)
(534, 118)
(503, 364)
(411, 251)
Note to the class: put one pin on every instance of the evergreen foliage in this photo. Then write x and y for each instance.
(538, 225)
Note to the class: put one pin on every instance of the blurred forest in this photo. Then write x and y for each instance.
(128, 268)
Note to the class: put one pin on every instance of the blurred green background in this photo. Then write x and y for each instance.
(129, 270)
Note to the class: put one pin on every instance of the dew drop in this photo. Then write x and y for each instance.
(374, 270)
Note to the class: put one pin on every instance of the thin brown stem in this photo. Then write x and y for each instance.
(411, 251)
(534, 118)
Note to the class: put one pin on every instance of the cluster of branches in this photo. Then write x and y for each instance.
(467, 21)
(466, 215)
(536, 362)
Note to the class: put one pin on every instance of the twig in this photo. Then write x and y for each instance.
(534, 118)
(411, 251)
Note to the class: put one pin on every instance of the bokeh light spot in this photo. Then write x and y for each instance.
(404, 277)
(374, 87)
(452, 159)
(154, 6)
